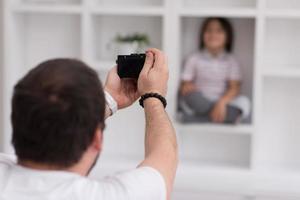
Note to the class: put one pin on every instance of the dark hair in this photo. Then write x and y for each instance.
(56, 109)
(227, 27)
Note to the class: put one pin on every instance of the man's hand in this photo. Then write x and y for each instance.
(155, 74)
(218, 113)
(124, 91)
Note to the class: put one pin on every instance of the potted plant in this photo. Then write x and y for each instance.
(132, 43)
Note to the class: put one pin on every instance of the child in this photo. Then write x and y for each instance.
(211, 78)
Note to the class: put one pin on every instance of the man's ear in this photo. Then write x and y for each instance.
(98, 140)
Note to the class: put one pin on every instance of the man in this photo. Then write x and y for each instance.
(58, 113)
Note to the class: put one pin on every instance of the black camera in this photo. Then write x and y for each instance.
(130, 66)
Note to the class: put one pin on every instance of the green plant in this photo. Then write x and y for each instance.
(141, 39)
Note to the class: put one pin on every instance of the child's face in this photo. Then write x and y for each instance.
(214, 36)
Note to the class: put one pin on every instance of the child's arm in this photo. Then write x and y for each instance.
(233, 90)
(218, 113)
(188, 75)
(187, 87)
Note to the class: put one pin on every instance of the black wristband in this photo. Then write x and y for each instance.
(153, 95)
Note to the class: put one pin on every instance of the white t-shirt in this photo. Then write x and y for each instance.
(20, 183)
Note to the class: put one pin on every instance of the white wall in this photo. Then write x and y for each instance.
(1, 73)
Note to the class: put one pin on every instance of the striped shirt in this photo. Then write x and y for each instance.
(211, 73)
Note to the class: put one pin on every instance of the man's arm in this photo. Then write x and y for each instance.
(160, 141)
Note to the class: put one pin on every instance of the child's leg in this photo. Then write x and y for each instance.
(232, 115)
(195, 119)
(238, 108)
(243, 103)
(198, 103)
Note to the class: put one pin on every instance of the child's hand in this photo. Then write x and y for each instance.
(218, 113)
(187, 87)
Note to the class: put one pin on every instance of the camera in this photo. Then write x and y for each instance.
(130, 66)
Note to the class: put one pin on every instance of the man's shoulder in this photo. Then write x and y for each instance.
(6, 164)
(7, 159)
(140, 183)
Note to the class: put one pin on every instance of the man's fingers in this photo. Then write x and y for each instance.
(130, 86)
(127, 83)
(114, 72)
(161, 61)
(148, 62)
(159, 57)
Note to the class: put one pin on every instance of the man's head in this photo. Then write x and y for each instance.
(57, 113)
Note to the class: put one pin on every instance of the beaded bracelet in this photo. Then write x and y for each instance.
(154, 95)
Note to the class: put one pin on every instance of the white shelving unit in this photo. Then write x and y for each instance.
(255, 160)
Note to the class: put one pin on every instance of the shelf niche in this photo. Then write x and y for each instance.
(46, 36)
(216, 151)
(106, 28)
(282, 46)
(244, 30)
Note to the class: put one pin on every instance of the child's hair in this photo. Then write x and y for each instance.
(227, 27)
